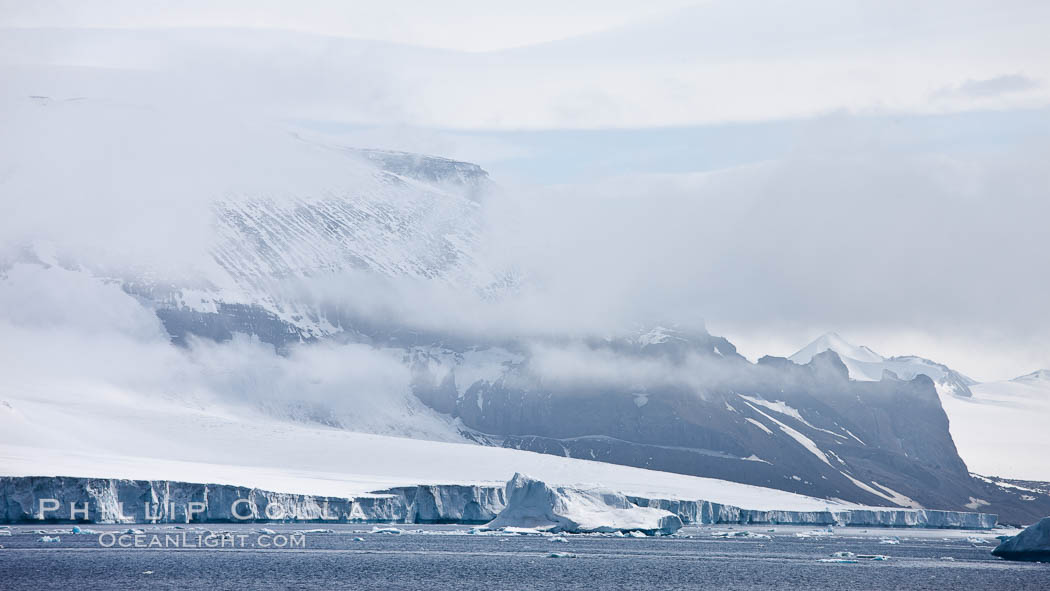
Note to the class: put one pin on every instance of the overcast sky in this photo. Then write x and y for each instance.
(778, 169)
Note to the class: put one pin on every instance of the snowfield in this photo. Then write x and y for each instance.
(1002, 430)
(239, 447)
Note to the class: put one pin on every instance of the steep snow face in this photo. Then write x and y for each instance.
(1001, 430)
(866, 365)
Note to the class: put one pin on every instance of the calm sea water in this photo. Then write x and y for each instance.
(444, 557)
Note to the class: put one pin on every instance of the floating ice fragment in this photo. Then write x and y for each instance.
(387, 530)
(50, 540)
(839, 560)
(561, 555)
(267, 531)
(877, 557)
(558, 539)
(948, 558)
(843, 554)
(522, 531)
(892, 541)
(636, 534)
(359, 539)
(739, 534)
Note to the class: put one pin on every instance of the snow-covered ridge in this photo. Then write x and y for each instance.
(1039, 377)
(533, 503)
(866, 365)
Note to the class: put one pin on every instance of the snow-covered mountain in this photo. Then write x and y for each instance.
(260, 319)
(867, 365)
(998, 427)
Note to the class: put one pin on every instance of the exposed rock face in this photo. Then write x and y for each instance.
(807, 429)
(1032, 544)
(104, 500)
(531, 503)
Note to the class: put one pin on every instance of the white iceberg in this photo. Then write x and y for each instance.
(533, 504)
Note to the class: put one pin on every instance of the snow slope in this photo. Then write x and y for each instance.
(1002, 429)
(163, 439)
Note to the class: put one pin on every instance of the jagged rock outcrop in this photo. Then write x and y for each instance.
(806, 429)
(1032, 544)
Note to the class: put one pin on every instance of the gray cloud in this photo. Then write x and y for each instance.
(990, 87)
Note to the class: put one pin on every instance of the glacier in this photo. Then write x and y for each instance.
(522, 502)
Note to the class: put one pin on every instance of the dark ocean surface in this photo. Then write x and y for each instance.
(446, 557)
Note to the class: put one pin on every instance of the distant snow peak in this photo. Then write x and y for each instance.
(865, 365)
(831, 341)
(1039, 376)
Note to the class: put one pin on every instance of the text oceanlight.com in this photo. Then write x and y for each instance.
(204, 541)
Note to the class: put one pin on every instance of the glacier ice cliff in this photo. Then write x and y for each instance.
(1032, 544)
(532, 503)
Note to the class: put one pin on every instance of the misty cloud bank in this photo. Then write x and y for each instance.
(112, 171)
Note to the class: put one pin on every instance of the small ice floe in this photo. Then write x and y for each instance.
(739, 534)
(561, 555)
(359, 539)
(977, 541)
(891, 541)
(843, 554)
(326, 531)
(875, 557)
(840, 560)
(50, 540)
(559, 539)
(134, 531)
(522, 531)
(147, 572)
(636, 534)
(266, 530)
(5, 531)
(817, 533)
(387, 530)
(948, 558)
